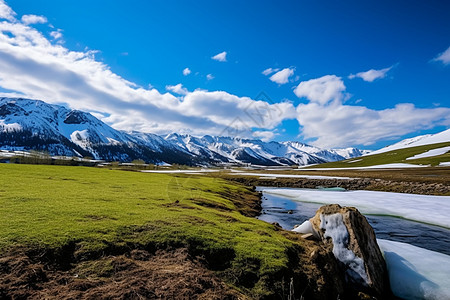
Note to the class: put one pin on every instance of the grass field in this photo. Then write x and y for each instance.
(97, 211)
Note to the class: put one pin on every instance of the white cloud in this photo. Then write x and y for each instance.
(186, 71)
(220, 57)
(329, 123)
(264, 136)
(33, 19)
(57, 35)
(224, 108)
(209, 77)
(35, 67)
(321, 90)
(371, 75)
(269, 71)
(6, 12)
(338, 125)
(177, 89)
(444, 57)
(282, 77)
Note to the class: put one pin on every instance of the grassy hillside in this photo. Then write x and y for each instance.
(395, 156)
(77, 213)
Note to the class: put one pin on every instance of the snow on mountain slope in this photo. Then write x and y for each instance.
(35, 125)
(420, 140)
(351, 152)
(234, 149)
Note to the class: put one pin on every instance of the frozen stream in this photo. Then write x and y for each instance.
(288, 212)
(417, 254)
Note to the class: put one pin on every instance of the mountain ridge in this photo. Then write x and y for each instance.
(27, 124)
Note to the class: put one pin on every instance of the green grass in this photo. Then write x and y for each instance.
(395, 156)
(49, 207)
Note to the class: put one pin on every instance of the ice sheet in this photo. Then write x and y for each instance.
(385, 166)
(293, 176)
(416, 273)
(180, 171)
(422, 208)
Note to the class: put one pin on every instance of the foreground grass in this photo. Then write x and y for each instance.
(98, 211)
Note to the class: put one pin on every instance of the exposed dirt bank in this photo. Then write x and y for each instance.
(137, 274)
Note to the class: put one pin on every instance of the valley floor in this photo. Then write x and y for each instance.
(83, 232)
(90, 233)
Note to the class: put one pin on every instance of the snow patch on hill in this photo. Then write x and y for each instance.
(421, 140)
(431, 153)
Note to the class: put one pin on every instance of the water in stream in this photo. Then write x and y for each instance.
(288, 213)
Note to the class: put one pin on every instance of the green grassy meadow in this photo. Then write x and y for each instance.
(100, 210)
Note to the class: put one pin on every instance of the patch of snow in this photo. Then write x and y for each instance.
(422, 208)
(113, 141)
(336, 230)
(445, 164)
(385, 166)
(180, 171)
(7, 154)
(10, 127)
(406, 143)
(431, 153)
(353, 161)
(79, 135)
(293, 176)
(416, 273)
(305, 228)
(428, 139)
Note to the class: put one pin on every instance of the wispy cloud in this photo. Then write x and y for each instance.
(264, 136)
(57, 34)
(220, 57)
(177, 89)
(209, 77)
(330, 123)
(371, 75)
(444, 57)
(33, 19)
(186, 71)
(282, 77)
(6, 12)
(269, 71)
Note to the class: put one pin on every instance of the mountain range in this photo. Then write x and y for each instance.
(27, 124)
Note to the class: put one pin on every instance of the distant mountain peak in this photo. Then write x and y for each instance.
(27, 124)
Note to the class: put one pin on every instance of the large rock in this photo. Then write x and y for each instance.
(346, 232)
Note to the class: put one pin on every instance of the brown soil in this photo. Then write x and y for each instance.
(134, 275)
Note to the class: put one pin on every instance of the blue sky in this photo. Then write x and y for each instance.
(124, 62)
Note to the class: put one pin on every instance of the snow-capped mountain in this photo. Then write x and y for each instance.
(421, 140)
(229, 149)
(35, 125)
